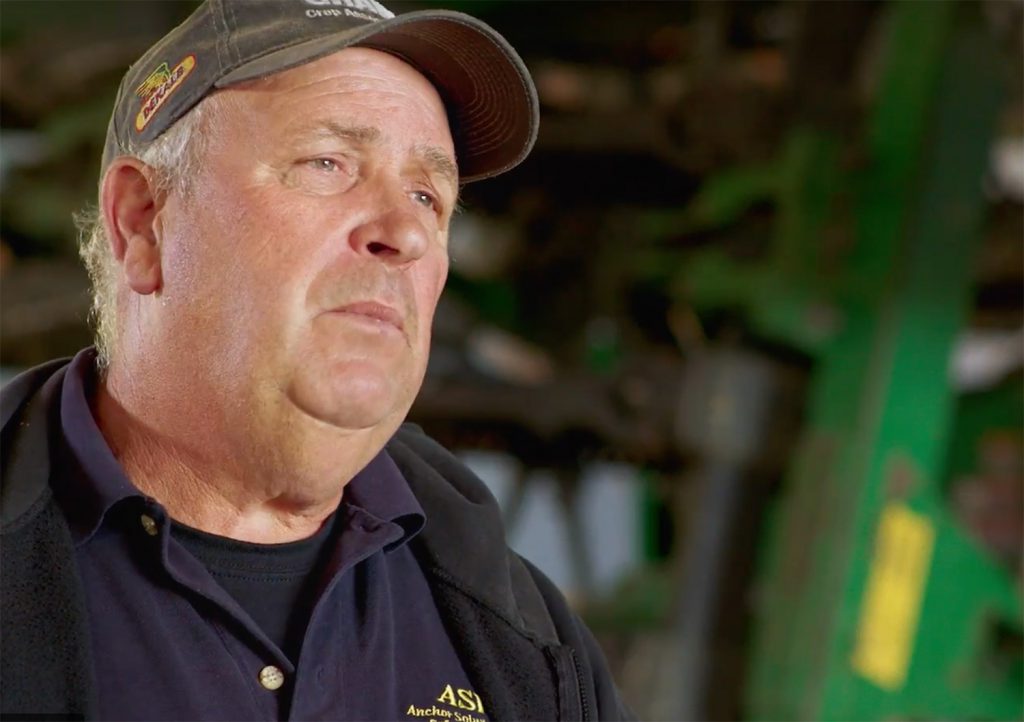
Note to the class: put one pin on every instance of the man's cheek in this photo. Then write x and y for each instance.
(441, 276)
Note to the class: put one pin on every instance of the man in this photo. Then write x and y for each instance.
(214, 514)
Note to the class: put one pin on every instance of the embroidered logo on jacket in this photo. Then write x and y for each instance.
(454, 704)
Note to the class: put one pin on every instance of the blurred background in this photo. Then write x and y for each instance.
(738, 348)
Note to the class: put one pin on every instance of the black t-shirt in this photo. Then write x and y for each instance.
(275, 583)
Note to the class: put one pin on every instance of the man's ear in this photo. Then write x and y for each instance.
(130, 203)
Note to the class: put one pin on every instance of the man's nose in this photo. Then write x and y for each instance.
(394, 234)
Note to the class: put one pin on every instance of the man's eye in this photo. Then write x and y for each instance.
(322, 175)
(425, 199)
(324, 164)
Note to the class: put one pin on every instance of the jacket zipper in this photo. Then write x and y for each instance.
(584, 706)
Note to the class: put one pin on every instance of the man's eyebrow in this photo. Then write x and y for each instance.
(439, 162)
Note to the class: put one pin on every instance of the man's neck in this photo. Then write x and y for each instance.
(184, 461)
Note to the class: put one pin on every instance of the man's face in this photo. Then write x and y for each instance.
(301, 274)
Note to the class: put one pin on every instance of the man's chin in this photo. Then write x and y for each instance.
(354, 403)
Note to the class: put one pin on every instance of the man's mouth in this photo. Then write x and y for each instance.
(375, 311)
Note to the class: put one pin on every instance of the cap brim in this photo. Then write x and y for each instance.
(490, 97)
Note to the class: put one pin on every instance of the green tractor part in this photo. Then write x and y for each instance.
(873, 601)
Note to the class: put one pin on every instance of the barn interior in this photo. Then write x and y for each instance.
(738, 348)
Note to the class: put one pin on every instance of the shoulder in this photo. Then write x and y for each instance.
(29, 407)
(464, 542)
(464, 537)
(19, 390)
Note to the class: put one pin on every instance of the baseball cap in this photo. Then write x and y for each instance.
(487, 90)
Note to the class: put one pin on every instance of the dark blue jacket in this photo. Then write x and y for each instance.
(525, 652)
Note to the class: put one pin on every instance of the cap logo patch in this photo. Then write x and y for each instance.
(157, 88)
(360, 9)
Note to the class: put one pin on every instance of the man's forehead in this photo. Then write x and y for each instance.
(353, 71)
(358, 65)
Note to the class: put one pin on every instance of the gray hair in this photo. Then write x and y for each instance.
(175, 158)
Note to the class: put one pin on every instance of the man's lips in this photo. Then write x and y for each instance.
(375, 311)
